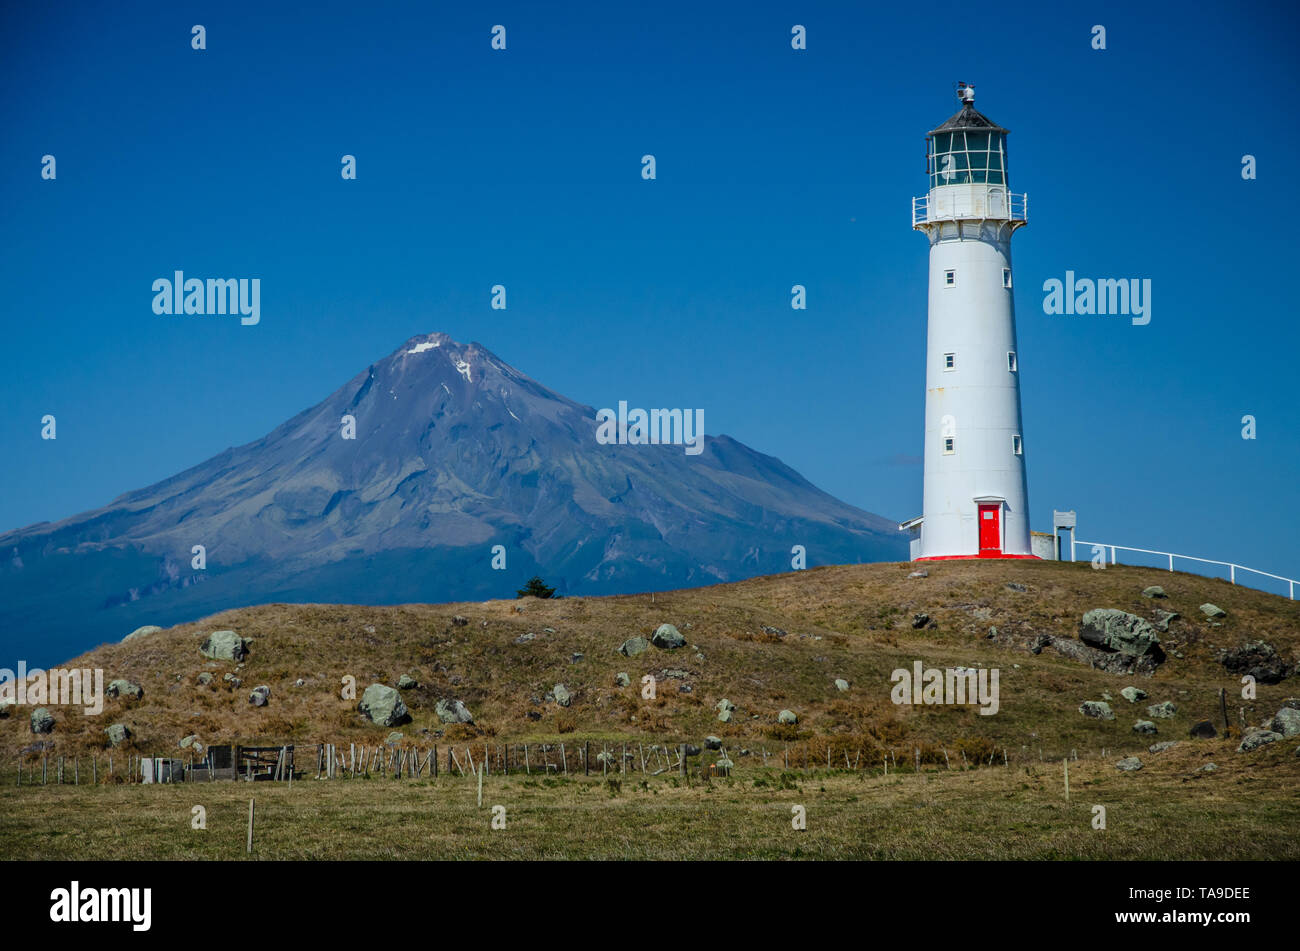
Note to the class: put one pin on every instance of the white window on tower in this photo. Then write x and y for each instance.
(1006, 277)
(1011, 360)
(950, 277)
(949, 361)
(949, 445)
(1016, 445)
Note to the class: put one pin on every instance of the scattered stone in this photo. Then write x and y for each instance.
(406, 682)
(525, 638)
(118, 734)
(841, 684)
(224, 645)
(123, 688)
(1287, 722)
(666, 637)
(920, 620)
(633, 646)
(233, 680)
(1096, 709)
(1164, 617)
(622, 680)
(774, 631)
(300, 682)
(692, 750)
(1016, 586)
(382, 705)
(787, 716)
(1255, 738)
(459, 621)
(452, 711)
(724, 704)
(1155, 591)
(1203, 730)
(562, 695)
(921, 573)
(142, 632)
(675, 673)
(725, 764)
(1114, 631)
(1162, 711)
(42, 721)
(1104, 694)
(1162, 746)
(1133, 694)
(712, 743)
(260, 696)
(1145, 726)
(1213, 611)
(1256, 658)
(7, 706)
(575, 658)
(394, 738)
(724, 716)
(189, 741)
(1129, 764)
(1207, 768)
(993, 633)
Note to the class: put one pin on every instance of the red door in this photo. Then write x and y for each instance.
(990, 529)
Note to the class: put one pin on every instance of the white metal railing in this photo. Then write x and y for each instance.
(1232, 569)
(1014, 207)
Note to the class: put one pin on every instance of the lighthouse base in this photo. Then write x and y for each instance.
(984, 555)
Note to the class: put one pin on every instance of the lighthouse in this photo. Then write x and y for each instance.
(975, 501)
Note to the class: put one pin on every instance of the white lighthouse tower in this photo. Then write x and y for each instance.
(976, 504)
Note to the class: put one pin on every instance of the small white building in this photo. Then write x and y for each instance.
(975, 502)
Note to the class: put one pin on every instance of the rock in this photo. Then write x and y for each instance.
(189, 741)
(260, 696)
(123, 688)
(1016, 586)
(712, 743)
(1133, 694)
(1256, 658)
(1255, 738)
(525, 638)
(1113, 631)
(406, 682)
(1164, 617)
(1207, 768)
(1287, 722)
(300, 682)
(993, 633)
(452, 711)
(922, 573)
(666, 637)
(224, 645)
(692, 749)
(1129, 764)
(725, 764)
(1161, 747)
(1213, 610)
(841, 685)
(675, 673)
(382, 705)
(42, 721)
(233, 680)
(1203, 730)
(606, 759)
(141, 632)
(394, 738)
(1145, 726)
(1104, 694)
(622, 680)
(1162, 711)
(576, 658)
(7, 706)
(786, 716)
(633, 646)
(724, 704)
(118, 733)
(920, 620)
(562, 695)
(1097, 709)
(205, 678)
(774, 631)
(724, 716)
(1155, 591)
(459, 621)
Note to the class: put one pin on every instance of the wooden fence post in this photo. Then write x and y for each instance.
(250, 827)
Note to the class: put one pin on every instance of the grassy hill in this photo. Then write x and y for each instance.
(767, 644)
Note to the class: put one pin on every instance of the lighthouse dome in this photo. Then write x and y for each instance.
(969, 148)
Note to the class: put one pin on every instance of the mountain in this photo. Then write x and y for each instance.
(455, 452)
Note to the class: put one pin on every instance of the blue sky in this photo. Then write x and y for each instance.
(775, 167)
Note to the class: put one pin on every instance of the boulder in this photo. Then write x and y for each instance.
(260, 696)
(233, 680)
(920, 573)
(633, 646)
(1162, 711)
(205, 678)
(621, 679)
(525, 638)
(1154, 591)
(1133, 694)
(382, 705)
(920, 620)
(224, 645)
(450, 710)
(724, 716)
(7, 706)
(841, 684)
(692, 749)
(1016, 586)
(1163, 618)
(1203, 730)
(1129, 764)
(141, 632)
(42, 721)
(123, 688)
(459, 621)
(406, 682)
(1287, 722)
(562, 695)
(118, 733)
(1146, 727)
(1255, 738)
(666, 637)
(1207, 768)
(1256, 658)
(712, 743)
(725, 765)
(724, 704)
(1213, 611)
(1118, 632)
(189, 741)
(394, 738)
(787, 716)
(1162, 746)
(1097, 709)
